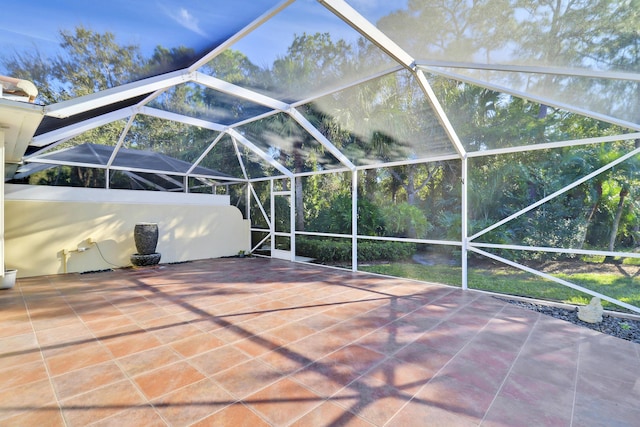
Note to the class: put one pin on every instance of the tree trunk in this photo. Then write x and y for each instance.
(616, 222)
(298, 163)
(410, 187)
(370, 179)
(299, 205)
(592, 212)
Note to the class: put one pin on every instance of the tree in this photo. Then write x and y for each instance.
(91, 62)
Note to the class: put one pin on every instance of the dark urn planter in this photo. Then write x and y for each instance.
(145, 236)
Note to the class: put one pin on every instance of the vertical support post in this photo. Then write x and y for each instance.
(354, 220)
(2, 204)
(465, 219)
(185, 182)
(247, 209)
(107, 178)
(292, 218)
(272, 228)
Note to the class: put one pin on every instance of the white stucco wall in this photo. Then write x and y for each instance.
(41, 222)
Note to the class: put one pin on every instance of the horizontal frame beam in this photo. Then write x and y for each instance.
(110, 96)
(555, 279)
(532, 69)
(535, 98)
(78, 128)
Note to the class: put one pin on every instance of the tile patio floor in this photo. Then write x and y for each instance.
(257, 342)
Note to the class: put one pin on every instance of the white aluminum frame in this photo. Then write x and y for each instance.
(154, 86)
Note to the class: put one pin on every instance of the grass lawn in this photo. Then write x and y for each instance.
(511, 281)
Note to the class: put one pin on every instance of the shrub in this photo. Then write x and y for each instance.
(335, 251)
(404, 220)
(337, 217)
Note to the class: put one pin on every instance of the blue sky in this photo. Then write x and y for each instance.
(170, 23)
(144, 22)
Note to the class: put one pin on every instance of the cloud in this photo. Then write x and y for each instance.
(188, 21)
(375, 9)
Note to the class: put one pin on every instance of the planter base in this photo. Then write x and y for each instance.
(9, 279)
(140, 260)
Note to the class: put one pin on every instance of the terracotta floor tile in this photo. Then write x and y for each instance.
(18, 345)
(101, 403)
(456, 396)
(193, 402)
(320, 343)
(419, 413)
(218, 360)
(173, 328)
(301, 344)
(66, 344)
(562, 375)
(491, 357)
(129, 344)
(228, 333)
(87, 379)
(406, 377)
(139, 309)
(360, 358)
(283, 402)
(599, 385)
(247, 377)
(26, 398)
(318, 322)
(445, 341)
(508, 412)
(329, 414)
(99, 326)
(100, 313)
(326, 380)
(263, 323)
(148, 317)
(148, 360)
(476, 373)
(236, 415)
(76, 357)
(285, 360)
(144, 415)
(257, 345)
(167, 379)
(288, 334)
(24, 374)
(16, 326)
(15, 358)
(594, 411)
(49, 416)
(385, 341)
(534, 391)
(73, 331)
(197, 344)
(599, 351)
(372, 399)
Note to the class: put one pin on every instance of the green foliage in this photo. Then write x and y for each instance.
(388, 118)
(509, 281)
(337, 217)
(332, 251)
(404, 220)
